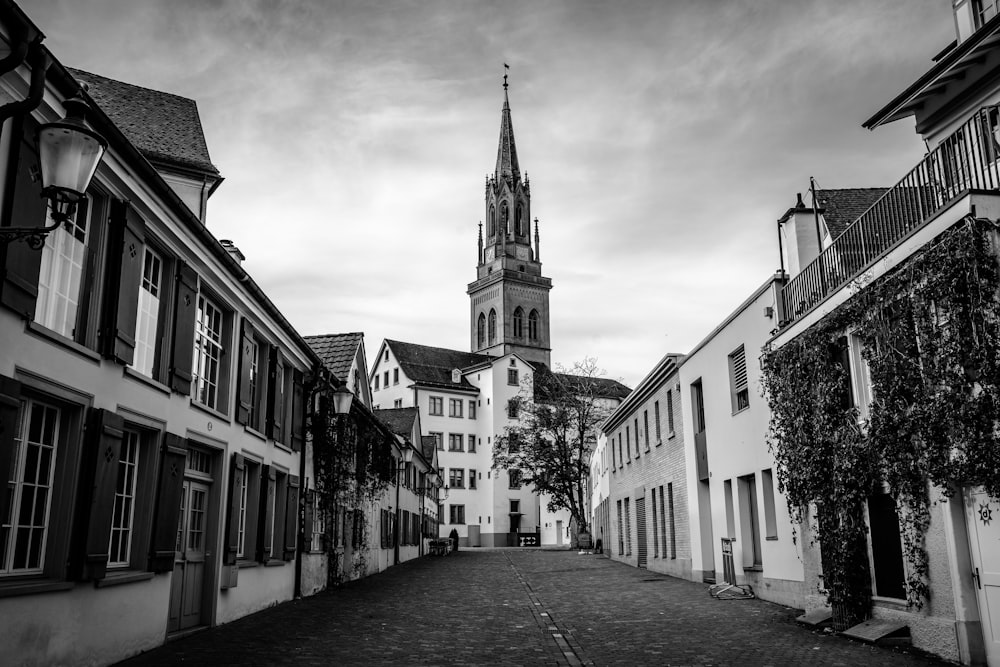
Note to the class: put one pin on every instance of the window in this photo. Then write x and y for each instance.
(472, 443)
(208, 350)
(147, 317)
(472, 409)
(385, 379)
(438, 439)
(533, 325)
(123, 513)
(518, 322)
(656, 420)
(670, 414)
(514, 479)
(985, 10)
(740, 393)
(30, 489)
(727, 487)
(770, 522)
(491, 229)
(61, 277)
(612, 447)
(376, 387)
(628, 528)
(481, 330)
(456, 514)
(636, 424)
(749, 521)
(472, 478)
(395, 376)
(385, 357)
(656, 535)
(670, 515)
(512, 376)
(628, 445)
(513, 407)
(456, 478)
(493, 327)
(249, 492)
(455, 442)
(397, 403)
(621, 460)
(436, 406)
(645, 424)
(455, 407)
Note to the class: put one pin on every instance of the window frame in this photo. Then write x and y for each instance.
(456, 442)
(435, 406)
(456, 407)
(221, 401)
(456, 478)
(739, 380)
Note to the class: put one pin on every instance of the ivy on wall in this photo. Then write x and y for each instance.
(930, 334)
(353, 464)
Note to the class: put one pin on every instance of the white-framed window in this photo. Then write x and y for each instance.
(472, 409)
(512, 376)
(739, 391)
(456, 514)
(455, 407)
(436, 406)
(60, 276)
(455, 442)
(456, 478)
(24, 532)
(397, 403)
(208, 349)
(123, 515)
(148, 315)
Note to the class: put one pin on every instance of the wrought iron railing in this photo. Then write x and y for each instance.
(969, 159)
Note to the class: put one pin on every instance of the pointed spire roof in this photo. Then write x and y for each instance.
(507, 166)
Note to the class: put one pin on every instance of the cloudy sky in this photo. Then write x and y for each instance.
(663, 139)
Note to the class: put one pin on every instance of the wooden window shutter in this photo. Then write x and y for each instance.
(125, 253)
(236, 480)
(298, 417)
(307, 518)
(246, 361)
(275, 396)
(99, 477)
(185, 309)
(265, 526)
(173, 458)
(291, 517)
(25, 208)
(10, 406)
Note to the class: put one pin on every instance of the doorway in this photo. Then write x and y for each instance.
(192, 565)
(559, 533)
(983, 517)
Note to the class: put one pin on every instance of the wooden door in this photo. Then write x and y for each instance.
(983, 515)
(559, 533)
(188, 584)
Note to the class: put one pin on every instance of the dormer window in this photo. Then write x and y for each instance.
(456, 376)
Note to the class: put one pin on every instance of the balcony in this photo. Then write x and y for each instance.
(965, 162)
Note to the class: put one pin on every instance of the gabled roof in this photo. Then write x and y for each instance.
(428, 443)
(164, 127)
(842, 207)
(337, 351)
(507, 167)
(399, 420)
(599, 387)
(433, 365)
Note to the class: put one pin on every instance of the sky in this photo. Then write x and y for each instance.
(662, 139)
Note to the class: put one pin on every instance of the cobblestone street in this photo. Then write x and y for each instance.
(526, 607)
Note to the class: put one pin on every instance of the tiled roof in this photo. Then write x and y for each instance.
(433, 365)
(429, 444)
(399, 420)
(600, 387)
(337, 351)
(162, 126)
(842, 207)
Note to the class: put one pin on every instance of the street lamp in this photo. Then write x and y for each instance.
(342, 398)
(68, 154)
(406, 452)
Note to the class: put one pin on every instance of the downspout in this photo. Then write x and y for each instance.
(39, 61)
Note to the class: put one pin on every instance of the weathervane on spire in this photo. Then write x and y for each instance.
(505, 68)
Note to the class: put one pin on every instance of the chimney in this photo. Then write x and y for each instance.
(233, 251)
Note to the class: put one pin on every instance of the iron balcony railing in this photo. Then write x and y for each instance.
(969, 159)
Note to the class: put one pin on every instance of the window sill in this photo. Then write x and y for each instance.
(63, 341)
(211, 411)
(246, 563)
(753, 568)
(124, 577)
(31, 587)
(282, 446)
(146, 380)
(771, 538)
(740, 411)
(274, 562)
(254, 432)
(889, 603)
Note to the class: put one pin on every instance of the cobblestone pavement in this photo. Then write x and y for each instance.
(520, 607)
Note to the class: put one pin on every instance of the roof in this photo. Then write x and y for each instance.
(842, 207)
(428, 444)
(337, 351)
(664, 369)
(507, 166)
(433, 365)
(163, 126)
(399, 420)
(600, 387)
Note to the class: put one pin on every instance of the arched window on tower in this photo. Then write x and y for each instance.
(504, 218)
(492, 229)
(518, 322)
(493, 326)
(518, 223)
(533, 325)
(481, 331)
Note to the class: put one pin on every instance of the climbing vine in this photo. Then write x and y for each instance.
(353, 465)
(929, 332)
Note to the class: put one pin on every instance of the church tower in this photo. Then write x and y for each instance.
(510, 297)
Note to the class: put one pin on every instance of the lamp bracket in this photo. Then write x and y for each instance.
(33, 236)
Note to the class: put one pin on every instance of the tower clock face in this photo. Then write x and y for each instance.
(522, 252)
(490, 254)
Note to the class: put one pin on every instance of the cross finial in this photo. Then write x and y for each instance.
(505, 68)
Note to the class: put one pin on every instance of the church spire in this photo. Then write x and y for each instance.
(507, 167)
